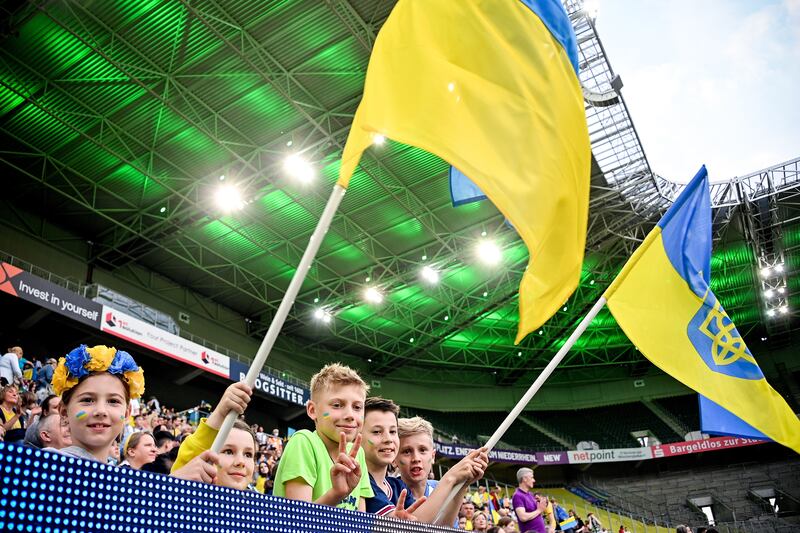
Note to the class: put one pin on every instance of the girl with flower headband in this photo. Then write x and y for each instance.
(96, 385)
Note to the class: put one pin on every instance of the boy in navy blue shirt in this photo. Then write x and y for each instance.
(391, 496)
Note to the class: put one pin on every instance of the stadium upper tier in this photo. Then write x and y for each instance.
(612, 426)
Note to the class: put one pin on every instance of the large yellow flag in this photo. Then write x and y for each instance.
(491, 87)
(663, 301)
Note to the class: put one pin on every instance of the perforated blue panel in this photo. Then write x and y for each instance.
(48, 492)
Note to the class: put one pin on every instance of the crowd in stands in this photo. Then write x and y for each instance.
(361, 455)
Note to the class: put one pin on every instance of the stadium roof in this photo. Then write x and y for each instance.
(118, 124)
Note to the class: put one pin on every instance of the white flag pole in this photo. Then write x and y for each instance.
(286, 304)
(534, 388)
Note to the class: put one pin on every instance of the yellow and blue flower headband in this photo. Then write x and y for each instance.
(83, 361)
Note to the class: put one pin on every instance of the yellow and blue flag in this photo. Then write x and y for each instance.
(663, 302)
(492, 88)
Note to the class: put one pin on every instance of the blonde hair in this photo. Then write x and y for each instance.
(413, 426)
(335, 374)
(133, 441)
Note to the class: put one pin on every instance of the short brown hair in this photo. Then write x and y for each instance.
(414, 425)
(335, 374)
(376, 403)
(242, 425)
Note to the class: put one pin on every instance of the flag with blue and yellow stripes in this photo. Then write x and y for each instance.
(663, 302)
(492, 88)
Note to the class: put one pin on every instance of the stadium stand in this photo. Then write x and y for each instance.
(759, 495)
(469, 425)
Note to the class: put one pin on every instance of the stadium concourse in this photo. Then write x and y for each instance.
(165, 165)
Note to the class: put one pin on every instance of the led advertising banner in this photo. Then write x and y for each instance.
(31, 288)
(149, 336)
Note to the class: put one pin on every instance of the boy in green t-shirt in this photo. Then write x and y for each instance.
(318, 466)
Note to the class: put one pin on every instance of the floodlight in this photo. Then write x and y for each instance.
(783, 309)
(228, 198)
(411, 340)
(162, 210)
(298, 168)
(770, 312)
(378, 139)
(429, 275)
(769, 293)
(373, 295)
(781, 290)
(322, 315)
(765, 272)
(779, 268)
(488, 252)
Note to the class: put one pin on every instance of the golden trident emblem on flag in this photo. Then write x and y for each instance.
(727, 346)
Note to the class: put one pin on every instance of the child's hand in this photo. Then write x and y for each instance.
(235, 398)
(202, 468)
(407, 514)
(346, 472)
(470, 468)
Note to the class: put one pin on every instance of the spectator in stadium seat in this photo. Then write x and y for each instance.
(561, 515)
(481, 497)
(50, 404)
(139, 449)
(468, 509)
(593, 523)
(261, 436)
(416, 456)
(10, 371)
(274, 442)
(49, 432)
(12, 416)
(683, 529)
(381, 449)
(381, 443)
(480, 522)
(508, 525)
(462, 523)
(581, 526)
(95, 385)
(235, 464)
(165, 441)
(318, 466)
(44, 376)
(529, 506)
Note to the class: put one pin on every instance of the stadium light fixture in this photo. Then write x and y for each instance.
(779, 268)
(765, 272)
(373, 295)
(228, 198)
(378, 139)
(781, 290)
(488, 252)
(322, 315)
(784, 309)
(769, 293)
(298, 168)
(430, 275)
(770, 312)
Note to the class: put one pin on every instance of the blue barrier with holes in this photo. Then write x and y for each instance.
(51, 493)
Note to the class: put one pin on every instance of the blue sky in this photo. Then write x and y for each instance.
(708, 81)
